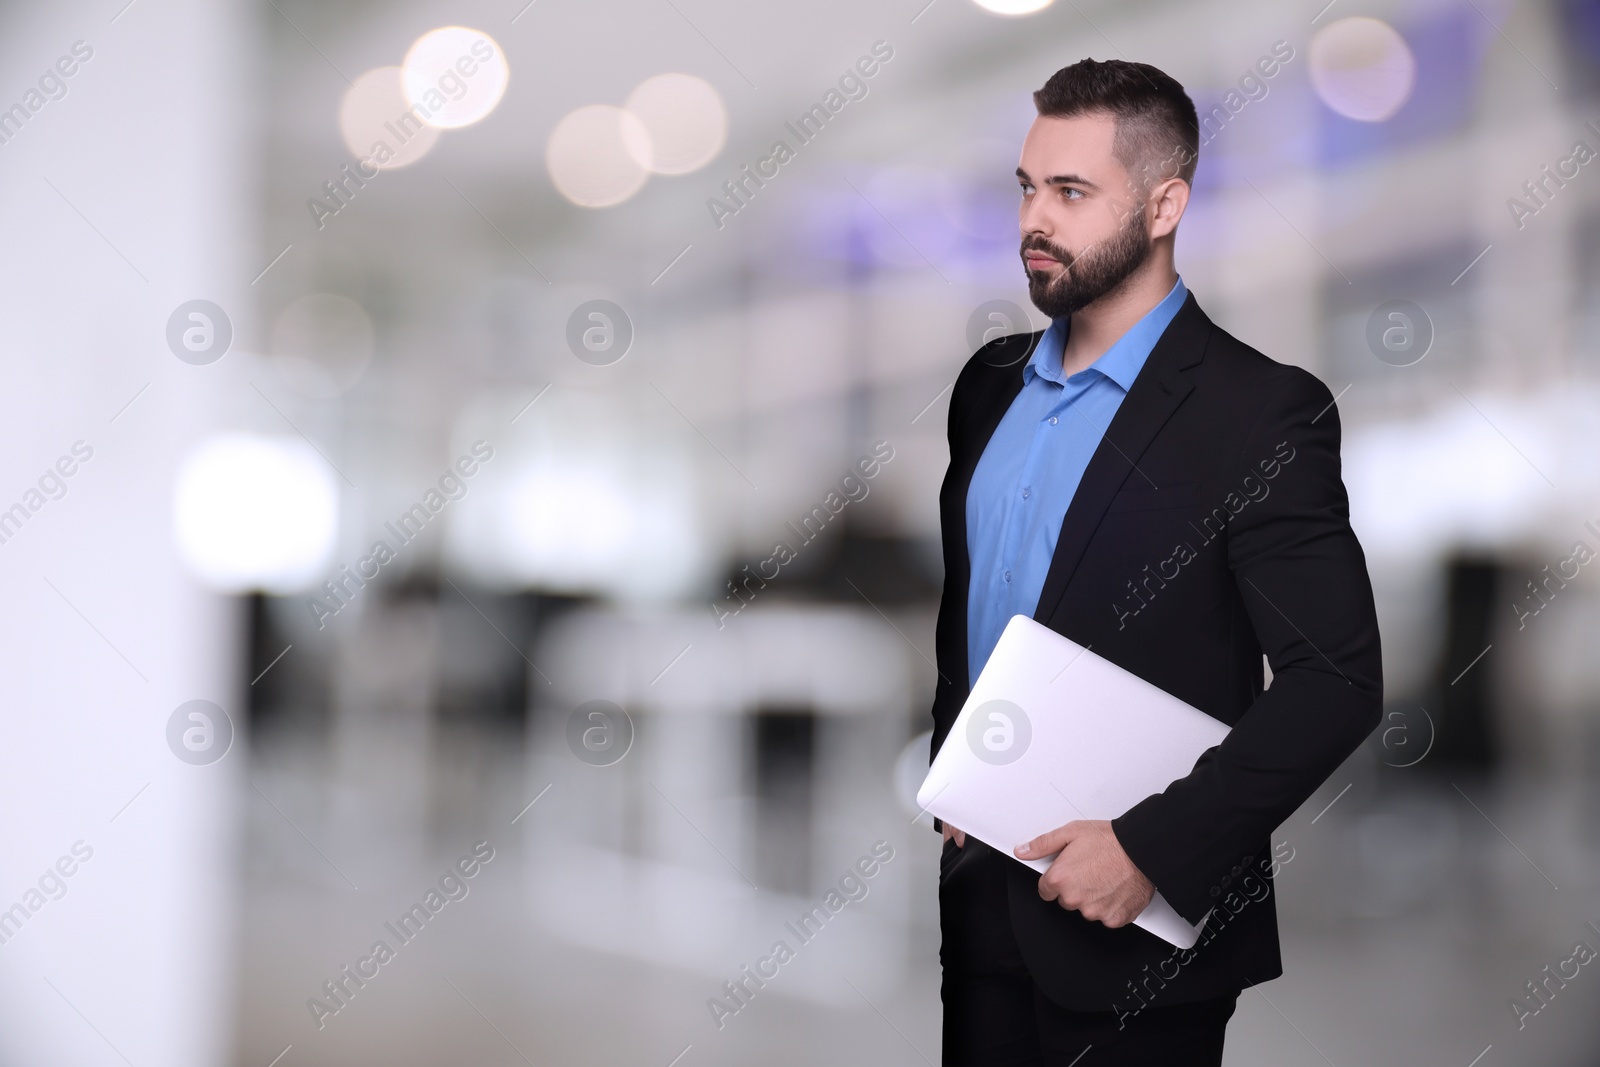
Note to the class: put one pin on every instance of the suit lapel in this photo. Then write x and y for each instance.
(1157, 391)
(989, 407)
(992, 398)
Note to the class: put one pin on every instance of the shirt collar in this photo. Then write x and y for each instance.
(1123, 360)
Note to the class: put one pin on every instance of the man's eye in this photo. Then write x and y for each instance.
(1072, 194)
(1026, 189)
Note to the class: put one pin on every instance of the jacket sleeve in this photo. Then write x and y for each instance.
(1302, 583)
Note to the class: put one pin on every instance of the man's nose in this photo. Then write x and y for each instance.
(1034, 221)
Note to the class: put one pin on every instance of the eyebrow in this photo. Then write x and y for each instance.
(1058, 179)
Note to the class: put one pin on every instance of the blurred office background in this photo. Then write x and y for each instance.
(582, 407)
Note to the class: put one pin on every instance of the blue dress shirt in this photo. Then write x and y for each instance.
(1031, 467)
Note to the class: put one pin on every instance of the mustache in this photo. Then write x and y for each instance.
(1049, 248)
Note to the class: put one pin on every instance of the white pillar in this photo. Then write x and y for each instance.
(125, 198)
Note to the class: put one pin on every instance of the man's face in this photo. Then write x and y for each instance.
(1083, 228)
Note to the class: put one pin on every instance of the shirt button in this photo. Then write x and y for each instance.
(1025, 494)
(1008, 576)
(1053, 420)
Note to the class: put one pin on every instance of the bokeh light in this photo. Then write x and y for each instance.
(455, 76)
(1362, 68)
(685, 118)
(321, 344)
(1013, 7)
(374, 113)
(598, 155)
(252, 512)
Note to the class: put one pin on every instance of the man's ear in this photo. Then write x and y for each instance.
(1168, 200)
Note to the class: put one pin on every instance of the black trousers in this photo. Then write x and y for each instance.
(994, 1015)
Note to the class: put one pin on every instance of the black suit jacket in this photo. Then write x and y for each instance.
(1211, 525)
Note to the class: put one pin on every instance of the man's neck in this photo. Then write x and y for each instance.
(1100, 325)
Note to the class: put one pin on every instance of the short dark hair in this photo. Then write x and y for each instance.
(1158, 134)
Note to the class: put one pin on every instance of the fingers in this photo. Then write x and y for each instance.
(1049, 843)
(1111, 912)
(1114, 912)
(1068, 884)
(1064, 890)
(951, 833)
(1059, 884)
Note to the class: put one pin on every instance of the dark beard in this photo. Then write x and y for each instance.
(1090, 275)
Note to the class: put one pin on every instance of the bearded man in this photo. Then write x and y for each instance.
(1138, 480)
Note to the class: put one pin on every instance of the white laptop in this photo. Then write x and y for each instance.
(1051, 733)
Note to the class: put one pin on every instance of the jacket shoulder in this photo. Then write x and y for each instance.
(997, 361)
(1249, 371)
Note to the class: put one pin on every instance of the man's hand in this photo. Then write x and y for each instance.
(1092, 875)
(951, 831)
